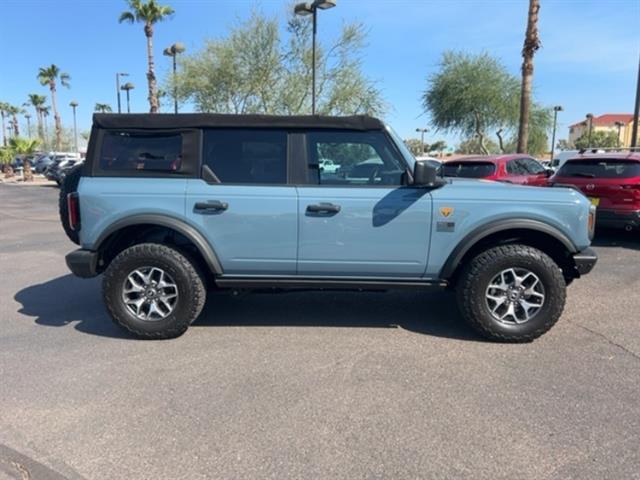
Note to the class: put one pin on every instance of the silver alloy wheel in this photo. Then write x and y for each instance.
(150, 293)
(515, 296)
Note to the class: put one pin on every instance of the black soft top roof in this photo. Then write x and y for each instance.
(196, 120)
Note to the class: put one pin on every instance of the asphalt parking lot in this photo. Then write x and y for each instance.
(308, 385)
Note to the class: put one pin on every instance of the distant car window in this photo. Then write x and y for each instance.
(468, 169)
(247, 156)
(358, 158)
(533, 166)
(600, 168)
(126, 151)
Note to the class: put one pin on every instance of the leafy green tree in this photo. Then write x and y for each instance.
(49, 76)
(24, 147)
(563, 144)
(599, 139)
(102, 108)
(438, 146)
(6, 157)
(472, 146)
(149, 13)
(258, 69)
(415, 146)
(475, 94)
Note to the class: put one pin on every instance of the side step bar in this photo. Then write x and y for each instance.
(329, 283)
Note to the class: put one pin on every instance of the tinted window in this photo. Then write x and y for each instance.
(468, 169)
(135, 151)
(247, 156)
(354, 158)
(598, 168)
(533, 167)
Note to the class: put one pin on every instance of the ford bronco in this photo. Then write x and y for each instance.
(169, 207)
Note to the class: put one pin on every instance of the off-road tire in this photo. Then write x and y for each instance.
(477, 275)
(68, 185)
(191, 288)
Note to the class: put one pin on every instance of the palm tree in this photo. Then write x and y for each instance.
(44, 111)
(102, 108)
(531, 45)
(38, 101)
(25, 147)
(3, 111)
(148, 12)
(49, 76)
(14, 111)
(6, 157)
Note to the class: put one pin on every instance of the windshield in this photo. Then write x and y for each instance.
(468, 169)
(406, 153)
(599, 168)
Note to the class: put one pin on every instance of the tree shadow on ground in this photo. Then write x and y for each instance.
(68, 300)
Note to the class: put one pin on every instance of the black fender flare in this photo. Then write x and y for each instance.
(497, 226)
(190, 232)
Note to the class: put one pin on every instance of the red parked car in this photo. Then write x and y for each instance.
(611, 181)
(519, 168)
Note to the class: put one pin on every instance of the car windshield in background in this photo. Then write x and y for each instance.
(468, 169)
(599, 168)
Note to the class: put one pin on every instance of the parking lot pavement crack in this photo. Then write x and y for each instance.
(605, 338)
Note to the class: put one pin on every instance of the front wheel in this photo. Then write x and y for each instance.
(511, 293)
(153, 290)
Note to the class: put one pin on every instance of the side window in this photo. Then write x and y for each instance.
(127, 151)
(353, 158)
(246, 156)
(515, 167)
(534, 167)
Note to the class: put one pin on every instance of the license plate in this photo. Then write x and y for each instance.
(594, 201)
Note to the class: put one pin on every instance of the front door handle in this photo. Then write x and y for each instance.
(323, 208)
(211, 206)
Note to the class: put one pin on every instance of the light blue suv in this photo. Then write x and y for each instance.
(167, 207)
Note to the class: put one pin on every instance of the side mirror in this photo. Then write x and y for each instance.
(424, 174)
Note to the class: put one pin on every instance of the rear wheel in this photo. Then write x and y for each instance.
(154, 291)
(512, 293)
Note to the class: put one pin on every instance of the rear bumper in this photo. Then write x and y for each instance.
(585, 260)
(83, 263)
(617, 218)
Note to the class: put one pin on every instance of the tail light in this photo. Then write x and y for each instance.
(73, 208)
(591, 224)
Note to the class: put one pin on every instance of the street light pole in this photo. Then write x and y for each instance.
(127, 87)
(173, 52)
(422, 131)
(556, 109)
(118, 75)
(311, 8)
(590, 120)
(74, 105)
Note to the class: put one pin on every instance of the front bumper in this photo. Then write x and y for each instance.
(83, 263)
(585, 260)
(617, 218)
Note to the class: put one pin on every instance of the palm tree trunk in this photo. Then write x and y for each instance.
(531, 45)
(56, 115)
(26, 169)
(151, 75)
(39, 120)
(4, 130)
(16, 126)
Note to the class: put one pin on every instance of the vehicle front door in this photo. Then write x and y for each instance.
(537, 174)
(244, 203)
(361, 220)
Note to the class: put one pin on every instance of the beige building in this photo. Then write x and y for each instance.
(608, 123)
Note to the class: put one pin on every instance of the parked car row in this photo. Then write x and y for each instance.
(610, 180)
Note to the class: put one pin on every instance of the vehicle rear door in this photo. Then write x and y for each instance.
(244, 203)
(361, 220)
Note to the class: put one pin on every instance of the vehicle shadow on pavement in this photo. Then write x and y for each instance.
(616, 238)
(68, 300)
(434, 314)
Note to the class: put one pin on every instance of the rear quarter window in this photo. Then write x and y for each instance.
(600, 168)
(468, 169)
(130, 152)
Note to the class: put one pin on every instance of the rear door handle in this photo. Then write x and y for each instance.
(323, 208)
(211, 206)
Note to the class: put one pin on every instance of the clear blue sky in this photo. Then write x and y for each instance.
(588, 62)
